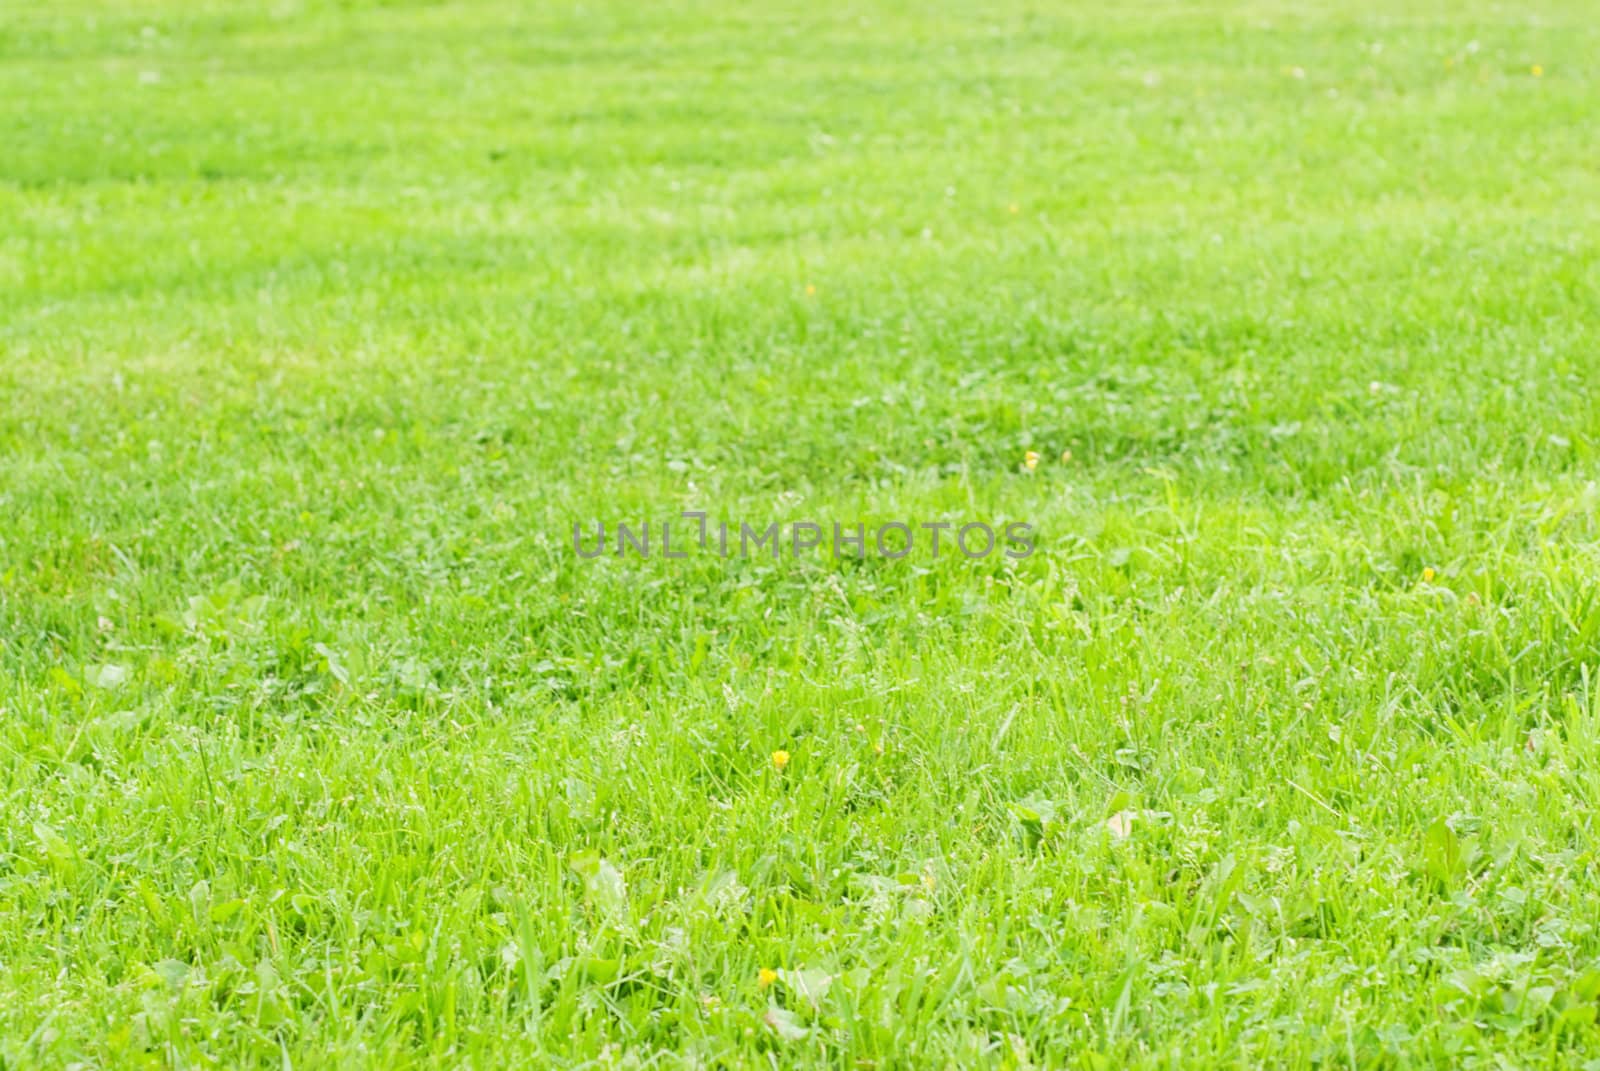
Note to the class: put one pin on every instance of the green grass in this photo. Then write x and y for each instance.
(321, 324)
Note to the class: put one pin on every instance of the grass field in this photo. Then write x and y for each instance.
(322, 325)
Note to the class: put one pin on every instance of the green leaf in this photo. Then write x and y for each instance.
(603, 884)
(154, 905)
(172, 971)
(55, 847)
(200, 900)
(108, 675)
(810, 985)
(226, 910)
(64, 680)
(1036, 815)
(1441, 853)
(786, 1024)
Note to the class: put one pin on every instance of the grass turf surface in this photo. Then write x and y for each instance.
(323, 323)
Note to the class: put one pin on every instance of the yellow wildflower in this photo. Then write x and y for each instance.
(780, 759)
(766, 976)
(1030, 460)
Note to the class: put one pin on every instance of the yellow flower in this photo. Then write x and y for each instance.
(1014, 209)
(1066, 455)
(811, 290)
(1030, 460)
(780, 759)
(1538, 71)
(1428, 574)
(766, 976)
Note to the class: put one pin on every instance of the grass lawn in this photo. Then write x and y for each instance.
(323, 323)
